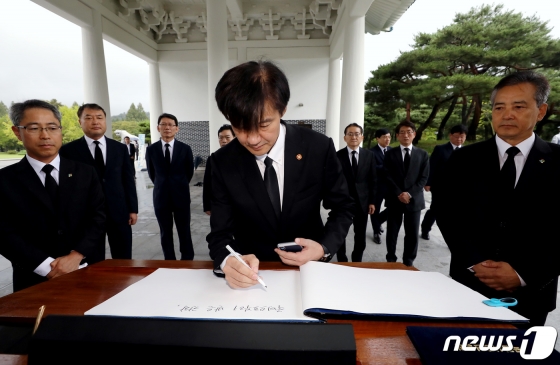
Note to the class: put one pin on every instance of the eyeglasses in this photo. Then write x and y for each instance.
(33, 129)
(357, 134)
(167, 125)
(410, 133)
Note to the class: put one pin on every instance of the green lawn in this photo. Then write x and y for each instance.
(6, 156)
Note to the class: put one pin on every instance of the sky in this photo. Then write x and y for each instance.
(41, 53)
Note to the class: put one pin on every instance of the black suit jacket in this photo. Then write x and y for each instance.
(118, 184)
(380, 172)
(207, 187)
(31, 231)
(413, 182)
(439, 157)
(171, 188)
(362, 186)
(132, 151)
(242, 214)
(523, 232)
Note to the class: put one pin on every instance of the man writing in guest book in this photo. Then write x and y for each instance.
(268, 184)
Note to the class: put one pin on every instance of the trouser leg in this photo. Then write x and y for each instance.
(360, 225)
(165, 221)
(394, 222)
(411, 227)
(183, 225)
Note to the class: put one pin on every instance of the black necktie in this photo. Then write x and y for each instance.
(354, 163)
(271, 184)
(384, 150)
(99, 162)
(167, 156)
(50, 184)
(508, 172)
(406, 160)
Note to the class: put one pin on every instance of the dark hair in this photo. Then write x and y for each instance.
(226, 127)
(405, 123)
(381, 132)
(169, 116)
(90, 106)
(18, 109)
(459, 128)
(126, 137)
(537, 80)
(354, 125)
(243, 92)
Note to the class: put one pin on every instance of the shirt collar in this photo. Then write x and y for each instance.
(350, 150)
(524, 147)
(454, 145)
(91, 140)
(403, 147)
(38, 165)
(381, 148)
(171, 143)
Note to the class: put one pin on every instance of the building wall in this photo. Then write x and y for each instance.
(184, 89)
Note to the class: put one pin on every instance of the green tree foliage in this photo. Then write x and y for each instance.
(136, 113)
(3, 109)
(8, 140)
(71, 129)
(457, 66)
(131, 127)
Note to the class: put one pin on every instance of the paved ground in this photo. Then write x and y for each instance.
(433, 255)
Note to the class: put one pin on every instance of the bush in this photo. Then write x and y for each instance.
(12, 152)
(22, 152)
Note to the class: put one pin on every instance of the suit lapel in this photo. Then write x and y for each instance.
(293, 170)
(30, 181)
(254, 183)
(111, 152)
(66, 183)
(177, 149)
(346, 167)
(84, 150)
(533, 166)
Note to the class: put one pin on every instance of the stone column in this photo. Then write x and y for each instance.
(353, 79)
(156, 108)
(217, 45)
(333, 101)
(96, 89)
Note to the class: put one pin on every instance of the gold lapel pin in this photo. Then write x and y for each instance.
(299, 156)
(69, 175)
(541, 160)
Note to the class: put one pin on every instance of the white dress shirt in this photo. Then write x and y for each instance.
(520, 158)
(383, 149)
(171, 144)
(38, 166)
(276, 154)
(403, 152)
(45, 267)
(102, 146)
(350, 154)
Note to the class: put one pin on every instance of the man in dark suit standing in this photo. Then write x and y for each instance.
(52, 217)
(225, 136)
(383, 137)
(132, 151)
(510, 246)
(407, 169)
(112, 163)
(171, 168)
(358, 166)
(270, 181)
(440, 155)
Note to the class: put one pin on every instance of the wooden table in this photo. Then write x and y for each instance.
(379, 341)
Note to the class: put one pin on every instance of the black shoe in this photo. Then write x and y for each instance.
(425, 236)
(376, 238)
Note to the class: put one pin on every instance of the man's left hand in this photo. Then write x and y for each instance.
(312, 251)
(371, 209)
(498, 275)
(133, 217)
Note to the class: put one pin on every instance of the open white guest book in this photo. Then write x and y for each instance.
(295, 296)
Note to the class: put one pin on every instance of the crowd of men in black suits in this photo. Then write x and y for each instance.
(266, 186)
